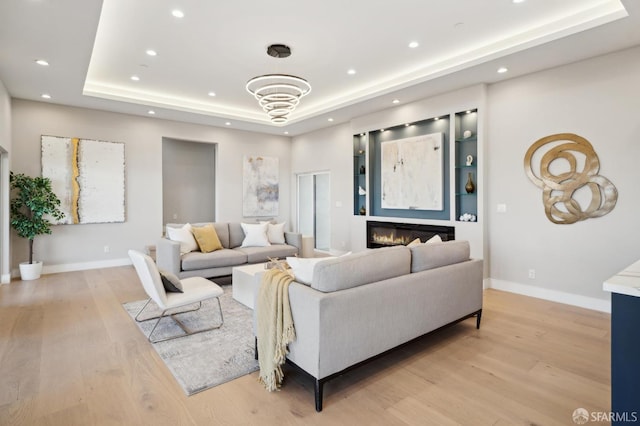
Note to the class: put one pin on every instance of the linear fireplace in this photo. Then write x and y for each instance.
(382, 234)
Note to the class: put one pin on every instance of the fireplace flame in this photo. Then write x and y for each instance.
(390, 238)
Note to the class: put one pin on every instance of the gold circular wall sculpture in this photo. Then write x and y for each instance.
(559, 190)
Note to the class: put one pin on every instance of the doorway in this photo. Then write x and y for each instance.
(314, 213)
(188, 181)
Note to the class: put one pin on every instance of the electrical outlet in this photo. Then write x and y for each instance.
(532, 274)
(175, 215)
(106, 249)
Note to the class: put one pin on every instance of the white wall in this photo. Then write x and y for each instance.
(598, 99)
(5, 150)
(81, 246)
(328, 150)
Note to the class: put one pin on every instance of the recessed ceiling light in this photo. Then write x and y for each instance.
(212, 94)
(45, 96)
(330, 119)
(351, 71)
(469, 111)
(135, 78)
(502, 70)
(177, 13)
(152, 52)
(42, 62)
(286, 133)
(361, 134)
(518, 1)
(151, 112)
(228, 123)
(414, 44)
(437, 118)
(407, 124)
(382, 130)
(395, 101)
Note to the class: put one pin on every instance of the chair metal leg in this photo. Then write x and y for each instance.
(177, 313)
(220, 309)
(187, 330)
(184, 328)
(140, 311)
(154, 329)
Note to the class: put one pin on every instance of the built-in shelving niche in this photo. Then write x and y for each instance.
(371, 158)
(461, 165)
(360, 186)
(466, 165)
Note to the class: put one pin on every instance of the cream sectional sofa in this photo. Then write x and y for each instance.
(364, 304)
(220, 262)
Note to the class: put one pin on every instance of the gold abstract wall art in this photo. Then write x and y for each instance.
(88, 176)
(567, 172)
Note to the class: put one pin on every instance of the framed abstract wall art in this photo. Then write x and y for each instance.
(412, 175)
(88, 176)
(260, 186)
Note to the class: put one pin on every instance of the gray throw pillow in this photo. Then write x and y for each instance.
(171, 282)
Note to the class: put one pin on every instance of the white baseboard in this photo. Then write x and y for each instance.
(592, 303)
(68, 267)
(82, 266)
(5, 279)
(486, 283)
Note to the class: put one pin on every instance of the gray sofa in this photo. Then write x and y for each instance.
(364, 304)
(220, 262)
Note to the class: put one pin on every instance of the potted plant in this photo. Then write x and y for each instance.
(32, 203)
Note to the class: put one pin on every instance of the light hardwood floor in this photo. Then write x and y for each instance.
(70, 355)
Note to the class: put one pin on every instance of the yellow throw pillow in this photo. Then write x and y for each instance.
(207, 238)
(414, 243)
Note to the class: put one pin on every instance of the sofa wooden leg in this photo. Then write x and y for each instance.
(318, 392)
(478, 318)
(255, 349)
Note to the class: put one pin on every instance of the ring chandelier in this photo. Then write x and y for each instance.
(278, 94)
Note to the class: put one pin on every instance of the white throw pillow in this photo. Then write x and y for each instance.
(275, 233)
(255, 235)
(435, 239)
(302, 267)
(184, 236)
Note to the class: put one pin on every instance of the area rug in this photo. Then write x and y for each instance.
(204, 360)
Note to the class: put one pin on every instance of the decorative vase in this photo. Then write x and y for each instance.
(469, 160)
(470, 186)
(362, 170)
(363, 211)
(30, 271)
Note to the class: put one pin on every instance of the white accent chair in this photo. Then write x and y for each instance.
(195, 290)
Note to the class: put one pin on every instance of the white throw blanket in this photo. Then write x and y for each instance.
(275, 326)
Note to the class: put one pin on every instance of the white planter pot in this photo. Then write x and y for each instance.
(30, 271)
